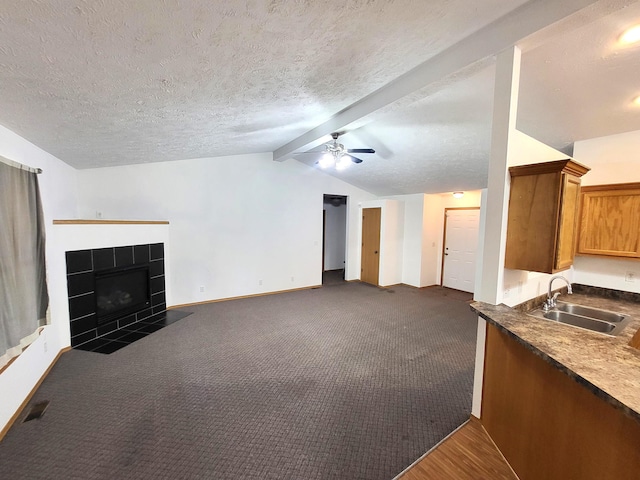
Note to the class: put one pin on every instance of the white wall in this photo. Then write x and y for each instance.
(240, 225)
(58, 193)
(435, 224)
(519, 285)
(412, 244)
(393, 234)
(335, 237)
(613, 159)
(424, 234)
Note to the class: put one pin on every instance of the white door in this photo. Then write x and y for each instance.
(461, 243)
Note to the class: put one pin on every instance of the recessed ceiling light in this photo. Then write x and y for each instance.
(637, 100)
(631, 35)
(458, 194)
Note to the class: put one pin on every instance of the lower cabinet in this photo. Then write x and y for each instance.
(547, 425)
(610, 220)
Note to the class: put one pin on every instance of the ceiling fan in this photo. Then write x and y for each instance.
(335, 155)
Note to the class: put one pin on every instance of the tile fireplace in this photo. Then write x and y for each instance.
(115, 293)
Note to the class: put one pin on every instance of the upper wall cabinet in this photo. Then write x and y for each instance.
(543, 210)
(610, 220)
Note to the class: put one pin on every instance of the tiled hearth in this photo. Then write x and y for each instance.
(86, 333)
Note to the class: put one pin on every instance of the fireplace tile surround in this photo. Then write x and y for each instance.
(81, 267)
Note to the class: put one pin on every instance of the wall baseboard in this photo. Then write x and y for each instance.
(24, 403)
(227, 299)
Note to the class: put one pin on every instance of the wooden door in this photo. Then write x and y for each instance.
(460, 247)
(370, 260)
(534, 205)
(610, 223)
(568, 223)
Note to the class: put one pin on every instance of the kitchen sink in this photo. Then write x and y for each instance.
(579, 321)
(590, 312)
(588, 318)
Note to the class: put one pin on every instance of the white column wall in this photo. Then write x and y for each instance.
(494, 215)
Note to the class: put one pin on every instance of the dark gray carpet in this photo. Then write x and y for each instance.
(349, 382)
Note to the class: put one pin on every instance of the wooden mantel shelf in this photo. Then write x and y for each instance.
(110, 222)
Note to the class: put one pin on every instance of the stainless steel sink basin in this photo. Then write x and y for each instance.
(590, 312)
(593, 319)
(579, 321)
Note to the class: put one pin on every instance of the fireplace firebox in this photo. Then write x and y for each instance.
(121, 291)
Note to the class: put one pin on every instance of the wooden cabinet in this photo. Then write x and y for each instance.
(548, 425)
(610, 220)
(543, 216)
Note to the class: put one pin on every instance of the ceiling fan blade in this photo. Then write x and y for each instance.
(361, 150)
(355, 159)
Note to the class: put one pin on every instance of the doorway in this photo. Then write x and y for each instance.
(460, 244)
(334, 238)
(370, 260)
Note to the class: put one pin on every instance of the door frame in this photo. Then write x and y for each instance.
(444, 237)
(346, 233)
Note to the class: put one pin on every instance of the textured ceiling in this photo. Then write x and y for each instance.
(575, 84)
(112, 82)
(580, 85)
(436, 140)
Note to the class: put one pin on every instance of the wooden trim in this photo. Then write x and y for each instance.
(567, 166)
(635, 341)
(24, 403)
(444, 238)
(6, 365)
(613, 186)
(110, 222)
(614, 256)
(241, 297)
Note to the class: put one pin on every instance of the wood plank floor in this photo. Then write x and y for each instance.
(468, 454)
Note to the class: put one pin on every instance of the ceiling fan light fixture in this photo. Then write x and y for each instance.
(630, 36)
(458, 194)
(344, 162)
(326, 161)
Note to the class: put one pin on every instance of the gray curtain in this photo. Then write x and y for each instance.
(23, 288)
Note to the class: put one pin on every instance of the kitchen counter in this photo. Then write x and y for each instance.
(605, 365)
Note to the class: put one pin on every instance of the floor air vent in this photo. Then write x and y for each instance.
(36, 411)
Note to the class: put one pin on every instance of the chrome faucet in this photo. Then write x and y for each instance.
(551, 300)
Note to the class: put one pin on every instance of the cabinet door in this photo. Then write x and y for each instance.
(534, 204)
(567, 227)
(610, 222)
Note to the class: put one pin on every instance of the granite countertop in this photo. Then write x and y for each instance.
(606, 365)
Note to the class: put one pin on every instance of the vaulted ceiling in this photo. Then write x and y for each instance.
(103, 83)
